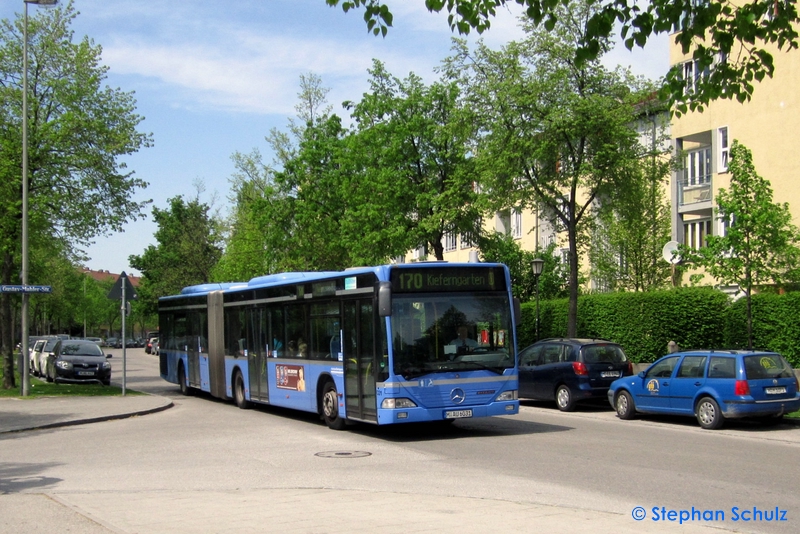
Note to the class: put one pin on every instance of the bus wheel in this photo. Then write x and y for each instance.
(238, 392)
(183, 382)
(330, 406)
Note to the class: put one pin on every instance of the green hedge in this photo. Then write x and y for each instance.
(644, 323)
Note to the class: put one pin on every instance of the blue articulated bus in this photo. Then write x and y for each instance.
(381, 345)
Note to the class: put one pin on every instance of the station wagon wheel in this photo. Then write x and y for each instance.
(330, 406)
(708, 413)
(564, 399)
(624, 405)
(239, 393)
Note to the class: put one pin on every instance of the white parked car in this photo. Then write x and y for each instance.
(41, 349)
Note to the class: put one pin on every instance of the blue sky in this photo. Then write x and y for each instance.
(212, 78)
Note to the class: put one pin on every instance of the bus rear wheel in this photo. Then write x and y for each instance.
(330, 407)
(239, 393)
(183, 382)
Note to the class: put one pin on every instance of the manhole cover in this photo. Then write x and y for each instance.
(343, 454)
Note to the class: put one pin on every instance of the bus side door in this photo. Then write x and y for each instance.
(360, 359)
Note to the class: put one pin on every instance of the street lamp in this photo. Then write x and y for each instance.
(537, 265)
(24, 268)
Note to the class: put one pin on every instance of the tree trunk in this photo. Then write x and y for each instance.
(6, 318)
(572, 313)
(749, 290)
(438, 250)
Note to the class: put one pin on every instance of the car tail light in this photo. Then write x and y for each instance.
(630, 368)
(580, 368)
(741, 388)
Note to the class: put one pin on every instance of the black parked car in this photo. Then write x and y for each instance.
(568, 370)
(78, 360)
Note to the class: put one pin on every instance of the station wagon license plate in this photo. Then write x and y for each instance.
(609, 374)
(775, 391)
(457, 414)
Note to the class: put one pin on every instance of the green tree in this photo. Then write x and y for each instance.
(288, 217)
(760, 243)
(502, 248)
(78, 129)
(402, 179)
(247, 253)
(413, 148)
(555, 137)
(629, 233)
(187, 250)
(744, 33)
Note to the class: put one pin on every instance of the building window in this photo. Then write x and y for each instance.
(698, 167)
(469, 239)
(725, 222)
(450, 239)
(503, 223)
(516, 223)
(696, 232)
(692, 73)
(724, 148)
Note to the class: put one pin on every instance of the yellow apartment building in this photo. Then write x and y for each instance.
(702, 140)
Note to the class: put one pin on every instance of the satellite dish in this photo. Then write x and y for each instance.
(670, 252)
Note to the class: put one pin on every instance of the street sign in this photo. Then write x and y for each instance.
(26, 289)
(116, 291)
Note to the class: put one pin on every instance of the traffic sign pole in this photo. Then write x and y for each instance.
(124, 345)
(120, 290)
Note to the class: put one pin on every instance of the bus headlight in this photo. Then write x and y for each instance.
(507, 395)
(391, 404)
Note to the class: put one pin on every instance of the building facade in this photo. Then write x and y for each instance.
(702, 142)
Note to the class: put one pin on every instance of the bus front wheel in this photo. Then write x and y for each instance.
(330, 407)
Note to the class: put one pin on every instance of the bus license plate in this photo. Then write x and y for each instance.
(457, 414)
(775, 391)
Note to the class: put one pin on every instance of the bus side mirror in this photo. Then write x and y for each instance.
(517, 312)
(385, 299)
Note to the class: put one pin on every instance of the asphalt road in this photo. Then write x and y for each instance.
(205, 466)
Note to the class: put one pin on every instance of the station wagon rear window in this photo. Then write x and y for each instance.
(766, 366)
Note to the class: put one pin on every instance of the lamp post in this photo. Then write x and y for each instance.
(25, 370)
(537, 265)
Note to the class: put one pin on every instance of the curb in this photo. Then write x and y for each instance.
(89, 420)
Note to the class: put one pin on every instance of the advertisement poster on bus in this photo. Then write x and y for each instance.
(290, 377)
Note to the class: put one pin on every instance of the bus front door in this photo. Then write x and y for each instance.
(358, 329)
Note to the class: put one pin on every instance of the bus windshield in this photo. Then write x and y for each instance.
(451, 332)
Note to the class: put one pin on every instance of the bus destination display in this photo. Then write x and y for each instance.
(447, 279)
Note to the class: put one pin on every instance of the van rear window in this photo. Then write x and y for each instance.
(604, 354)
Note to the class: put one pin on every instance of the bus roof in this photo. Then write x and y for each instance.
(271, 280)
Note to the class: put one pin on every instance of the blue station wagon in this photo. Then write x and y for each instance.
(710, 385)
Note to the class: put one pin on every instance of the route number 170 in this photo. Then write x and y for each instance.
(410, 281)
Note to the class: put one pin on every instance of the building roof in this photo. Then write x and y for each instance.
(105, 275)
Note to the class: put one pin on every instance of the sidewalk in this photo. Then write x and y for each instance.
(49, 412)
